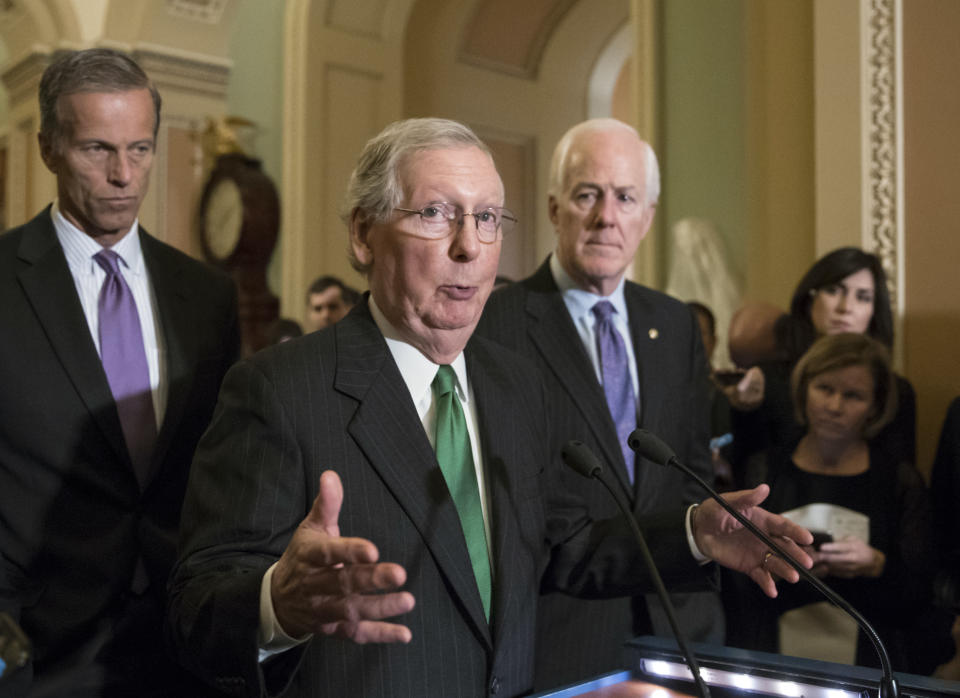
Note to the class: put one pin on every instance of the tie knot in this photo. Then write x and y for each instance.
(108, 260)
(604, 310)
(445, 380)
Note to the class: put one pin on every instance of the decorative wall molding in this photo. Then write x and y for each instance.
(362, 19)
(207, 11)
(883, 142)
(21, 78)
(181, 70)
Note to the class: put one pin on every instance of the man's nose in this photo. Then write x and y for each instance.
(606, 209)
(465, 244)
(120, 169)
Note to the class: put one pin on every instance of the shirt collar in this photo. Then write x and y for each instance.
(581, 302)
(416, 369)
(80, 248)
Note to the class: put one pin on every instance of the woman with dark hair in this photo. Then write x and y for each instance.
(872, 511)
(844, 291)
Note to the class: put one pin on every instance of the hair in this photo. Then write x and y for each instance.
(705, 312)
(561, 156)
(833, 352)
(348, 293)
(375, 188)
(795, 331)
(282, 329)
(91, 70)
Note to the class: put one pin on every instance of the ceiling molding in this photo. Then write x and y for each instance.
(21, 78)
(485, 15)
(184, 70)
(206, 11)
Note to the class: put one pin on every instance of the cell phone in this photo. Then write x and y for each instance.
(821, 537)
(729, 377)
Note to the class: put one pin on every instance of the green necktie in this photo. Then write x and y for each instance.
(456, 462)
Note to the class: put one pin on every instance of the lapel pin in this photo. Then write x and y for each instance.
(653, 333)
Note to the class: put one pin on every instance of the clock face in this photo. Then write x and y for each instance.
(223, 218)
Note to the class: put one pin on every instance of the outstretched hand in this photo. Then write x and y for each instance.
(330, 585)
(722, 538)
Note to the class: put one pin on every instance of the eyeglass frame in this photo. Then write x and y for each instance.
(503, 214)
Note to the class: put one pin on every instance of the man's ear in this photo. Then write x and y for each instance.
(647, 221)
(360, 224)
(553, 208)
(48, 152)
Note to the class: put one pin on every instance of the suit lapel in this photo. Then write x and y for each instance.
(500, 436)
(175, 321)
(556, 339)
(387, 429)
(49, 287)
(650, 331)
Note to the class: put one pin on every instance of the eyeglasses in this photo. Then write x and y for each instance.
(438, 220)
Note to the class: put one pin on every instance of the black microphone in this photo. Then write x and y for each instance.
(578, 456)
(650, 446)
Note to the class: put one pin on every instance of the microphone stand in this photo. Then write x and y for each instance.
(579, 457)
(660, 453)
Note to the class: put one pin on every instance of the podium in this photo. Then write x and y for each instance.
(656, 664)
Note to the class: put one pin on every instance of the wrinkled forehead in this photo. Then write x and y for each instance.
(452, 173)
(612, 158)
(90, 107)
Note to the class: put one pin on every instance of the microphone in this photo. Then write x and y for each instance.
(650, 446)
(578, 456)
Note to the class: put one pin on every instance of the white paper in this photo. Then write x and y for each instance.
(838, 521)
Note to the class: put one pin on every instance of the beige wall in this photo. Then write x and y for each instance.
(932, 209)
(779, 147)
(702, 109)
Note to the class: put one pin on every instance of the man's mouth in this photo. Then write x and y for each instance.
(460, 293)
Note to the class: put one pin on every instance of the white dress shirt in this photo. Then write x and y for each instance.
(88, 277)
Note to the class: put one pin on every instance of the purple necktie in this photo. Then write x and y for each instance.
(617, 384)
(125, 363)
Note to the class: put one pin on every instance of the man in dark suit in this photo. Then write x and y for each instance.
(92, 470)
(603, 190)
(392, 465)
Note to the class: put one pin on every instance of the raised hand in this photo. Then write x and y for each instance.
(330, 585)
(722, 538)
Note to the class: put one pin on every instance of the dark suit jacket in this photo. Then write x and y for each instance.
(579, 638)
(73, 518)
(335, 399)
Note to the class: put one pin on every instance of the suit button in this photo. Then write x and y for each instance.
(494, 685)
